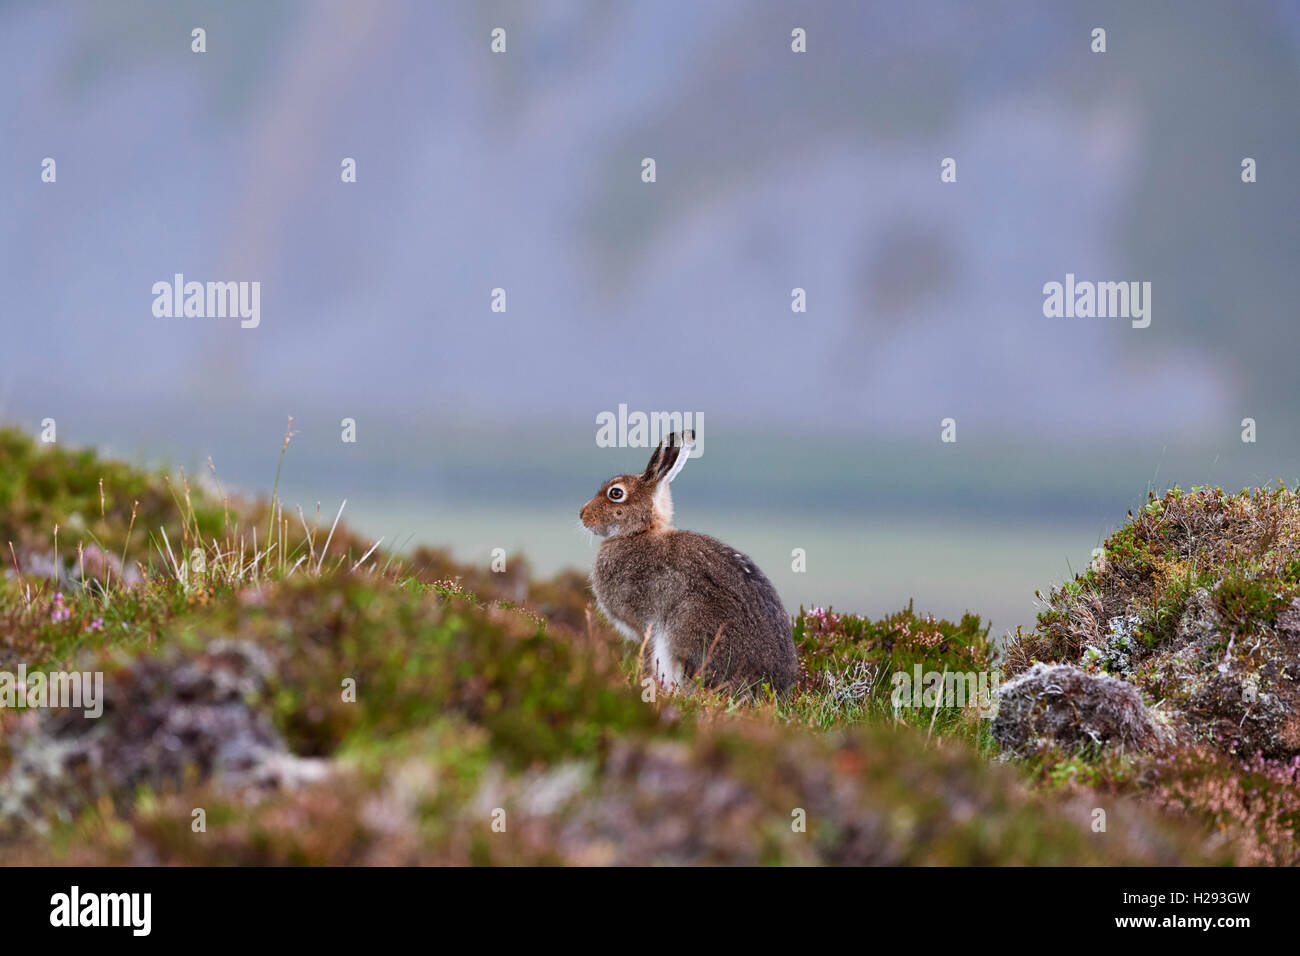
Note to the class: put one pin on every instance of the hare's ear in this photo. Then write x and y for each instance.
(670, 457)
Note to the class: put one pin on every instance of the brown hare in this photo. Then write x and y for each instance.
(701, 609)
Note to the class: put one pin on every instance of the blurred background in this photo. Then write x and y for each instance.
(476, 429)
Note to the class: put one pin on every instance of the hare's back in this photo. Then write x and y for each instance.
(731, 626)
(728, 580)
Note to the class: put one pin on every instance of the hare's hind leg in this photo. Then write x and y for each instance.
(708, 650)
(668, 668)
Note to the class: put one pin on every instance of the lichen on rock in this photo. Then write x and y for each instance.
(1065, 706)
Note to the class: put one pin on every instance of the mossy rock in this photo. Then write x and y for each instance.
(1196, 602)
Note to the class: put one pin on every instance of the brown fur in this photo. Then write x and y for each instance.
(720, 616)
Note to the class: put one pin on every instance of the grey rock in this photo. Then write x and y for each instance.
(166, 720)
(1063, 705)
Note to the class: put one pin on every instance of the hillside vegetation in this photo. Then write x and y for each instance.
(1185, 638)
(280, 690)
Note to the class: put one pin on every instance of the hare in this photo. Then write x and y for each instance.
(701, 608)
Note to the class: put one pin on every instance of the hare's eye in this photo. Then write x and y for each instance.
(615, 493)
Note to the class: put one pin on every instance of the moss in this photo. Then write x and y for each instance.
(1250, 603)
